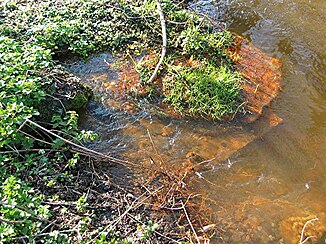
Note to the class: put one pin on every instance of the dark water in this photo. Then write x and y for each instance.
(266, 191)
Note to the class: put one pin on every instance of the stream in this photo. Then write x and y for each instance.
(262, 182)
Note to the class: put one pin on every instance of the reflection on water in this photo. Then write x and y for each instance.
(269, 189)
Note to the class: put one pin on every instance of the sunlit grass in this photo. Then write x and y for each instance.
(206, 91)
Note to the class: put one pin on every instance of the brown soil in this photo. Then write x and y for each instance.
(122, 205)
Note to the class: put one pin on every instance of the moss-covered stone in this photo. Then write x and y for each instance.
(65, 93)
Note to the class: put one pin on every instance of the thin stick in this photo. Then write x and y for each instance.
(134, 205)
(122, 162)
(164, 39)
(303, 229)
(29, 150)
(203, 162)
(155, 149)
(11, 222)
(57, 99)
(42, 234)
(35, 216)
(191, 226)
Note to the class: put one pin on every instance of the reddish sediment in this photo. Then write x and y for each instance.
(263, 76)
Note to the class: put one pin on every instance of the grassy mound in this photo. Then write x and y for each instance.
(208, 91)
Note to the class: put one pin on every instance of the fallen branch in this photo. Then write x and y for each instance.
(303, 229)
(115, 160)
(164, 39)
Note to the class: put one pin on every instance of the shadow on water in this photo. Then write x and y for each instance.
(266, 191)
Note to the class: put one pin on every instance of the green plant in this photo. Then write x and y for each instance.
(22, 213)
(19, 92)
(81, 204)
(196, 40)
(149, 229)
(111, 237)
(206, 90)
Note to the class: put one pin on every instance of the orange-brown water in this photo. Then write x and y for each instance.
(279, 180)
(265, 192)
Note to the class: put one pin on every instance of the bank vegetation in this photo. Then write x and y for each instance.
(54, 189)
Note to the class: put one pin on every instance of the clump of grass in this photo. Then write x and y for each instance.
(202, 43)
(208, 91)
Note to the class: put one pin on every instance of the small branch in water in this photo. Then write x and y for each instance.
(303, 229)
(164, 39)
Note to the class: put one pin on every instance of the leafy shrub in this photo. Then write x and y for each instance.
(26, 155)
(77, 26)
(22, 213)
(20, 88)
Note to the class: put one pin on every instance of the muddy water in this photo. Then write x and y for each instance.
(283, 175)
(266, 191)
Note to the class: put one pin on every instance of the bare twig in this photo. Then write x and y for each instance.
(134, 205)
(34, 215)
(28, 150)
(36, 139)
(57, 99)
(122, 162)
(11, 222)
(303, 229)
(204, 162)
(155, 149)
(164, 39)
(42, 234)
(189, 221)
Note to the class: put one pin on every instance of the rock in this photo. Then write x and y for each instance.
(65, 93)
(263, 73)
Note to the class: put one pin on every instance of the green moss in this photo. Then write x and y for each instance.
(79, 99)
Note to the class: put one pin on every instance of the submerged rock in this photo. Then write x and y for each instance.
(263, 74)
(297, 229)
(65, 93)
